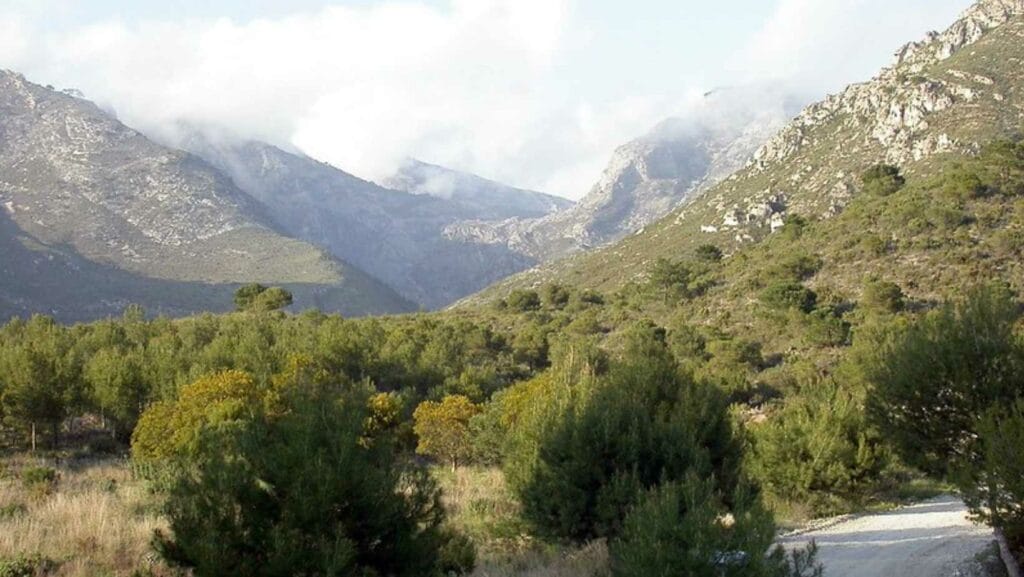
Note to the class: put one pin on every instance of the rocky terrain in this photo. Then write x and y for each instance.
(648, 177)
(76, 182)
(943, 96)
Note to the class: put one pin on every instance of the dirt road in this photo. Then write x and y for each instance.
(930, 539)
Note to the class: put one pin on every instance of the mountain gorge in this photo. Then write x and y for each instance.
(396, 236)
(650, 176)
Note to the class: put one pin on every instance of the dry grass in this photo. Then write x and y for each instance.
(481, 506)
(97, 520)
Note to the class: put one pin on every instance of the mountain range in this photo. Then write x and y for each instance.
(937, 105)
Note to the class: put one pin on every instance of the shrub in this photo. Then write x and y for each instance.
(555, 296)
(818, 450)
(39, 480)
(994, 486)
(931, 380)
(882, 180)
(685, 528)
(523, 301)
(302, 493)
(785, 295)
(26, 566)
(708, 253)
(596, 441)
(882, 296)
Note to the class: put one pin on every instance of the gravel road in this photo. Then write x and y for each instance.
(930, 539)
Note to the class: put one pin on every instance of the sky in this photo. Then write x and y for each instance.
(534, 93)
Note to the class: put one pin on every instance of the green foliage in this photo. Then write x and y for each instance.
(818, 450)
(39, 481)
(993, 486)
(597, 440)
(555, 296)
(932, 379)
(882, 296)
(172, 430)
(676, 280)
(443, 429)
(302, 493)
(680, 528)
(256, 297)
(26, 566)
(785, 295)
(708, 253)
(882, 180)
(523, 301)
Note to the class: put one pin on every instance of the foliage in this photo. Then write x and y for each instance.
(302, 494)
(932, 379)
(882, 296)
(599, 440)
(994, 486)
(443, 429)
(708, 253)
(523, 301)
(256, 297)
(26, 566)
(167, 430)
(680, 528)
(818, 450)
(785, 295)
(882, 180)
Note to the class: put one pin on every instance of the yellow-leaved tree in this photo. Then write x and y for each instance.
(443, 428)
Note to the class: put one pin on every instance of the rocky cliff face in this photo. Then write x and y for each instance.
(647, 178)
(72, 176)
(395, 236)
(946, 94)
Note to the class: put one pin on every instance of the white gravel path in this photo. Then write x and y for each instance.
(931, 539)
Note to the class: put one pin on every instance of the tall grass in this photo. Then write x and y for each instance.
(95, 520)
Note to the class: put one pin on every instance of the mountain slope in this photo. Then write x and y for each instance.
(74, 178)
(649, 176)
(483, 199)
(395, 236)
(946, 95)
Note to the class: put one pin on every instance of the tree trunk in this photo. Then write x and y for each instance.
(33, 437)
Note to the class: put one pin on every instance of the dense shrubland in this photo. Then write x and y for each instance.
(819, 371)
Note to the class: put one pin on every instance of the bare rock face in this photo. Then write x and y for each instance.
(75, 180)
(646, 179)
(896, 105)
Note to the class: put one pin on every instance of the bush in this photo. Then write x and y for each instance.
(708, 253)
(304, 492)
(523, 301)
(39, 480)
(555, 296)
(26, 566)
(994, 487)
(882, 296)
(933, 379)
(818, 450)
(596, 441)
(785, 295)
(882, 180)
(685, 528)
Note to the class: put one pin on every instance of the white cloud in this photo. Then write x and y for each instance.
(479, 85)
(821, 45)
